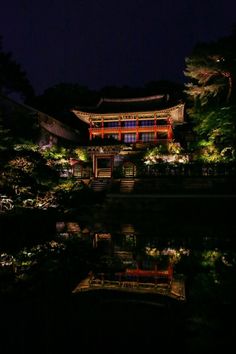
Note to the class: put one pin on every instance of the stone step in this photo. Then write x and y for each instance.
(127, 185)
(99, 185)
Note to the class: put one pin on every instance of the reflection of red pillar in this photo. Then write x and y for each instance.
(170, 272)
(112, 164)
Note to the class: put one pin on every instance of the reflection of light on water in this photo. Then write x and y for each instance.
(60, 226)
(101, 237)
(127, 228)
(174, 253)
(73, 227)
(67, 227)
(125, 256)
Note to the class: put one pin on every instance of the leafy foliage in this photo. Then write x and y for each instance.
(211, 92)
(26, 173)
(81, 154)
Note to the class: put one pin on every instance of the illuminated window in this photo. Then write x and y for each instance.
(147, 136)
(77, 170)
(129, 169)
(130, 138)
(146, 123)
(111, 124)
(128, 123)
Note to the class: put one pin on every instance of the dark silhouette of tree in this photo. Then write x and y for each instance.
(62, 97)
(173, 89)
(5, 137)
(12, 78)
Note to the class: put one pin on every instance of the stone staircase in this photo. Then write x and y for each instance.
(99, 185)
(127, 185)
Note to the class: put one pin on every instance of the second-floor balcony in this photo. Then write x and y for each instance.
(141, 129)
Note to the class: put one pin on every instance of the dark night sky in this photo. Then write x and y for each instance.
(109, 42)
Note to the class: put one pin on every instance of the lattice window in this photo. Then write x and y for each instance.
(111, 124)
(129, 123)
(130, 138)
(146, 123)
(147, 136)
(129, 169)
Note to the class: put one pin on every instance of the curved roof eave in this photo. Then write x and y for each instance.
(86, 116)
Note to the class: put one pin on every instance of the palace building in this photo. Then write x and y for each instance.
(133, 120)
(136, 122)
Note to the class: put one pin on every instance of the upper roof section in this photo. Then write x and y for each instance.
(111, 107)
(124, 105)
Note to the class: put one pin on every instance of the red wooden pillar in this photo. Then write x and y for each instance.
(90, 130)
(170, 133)
(155, 128)
(137, 130)
(119, 131)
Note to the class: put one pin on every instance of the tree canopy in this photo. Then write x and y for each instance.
(12, 78)
(211, 91)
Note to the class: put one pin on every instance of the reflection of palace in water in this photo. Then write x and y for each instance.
(146, 270)
(140, 268)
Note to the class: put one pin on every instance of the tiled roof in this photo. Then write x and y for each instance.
(121, 105)
(47, 122)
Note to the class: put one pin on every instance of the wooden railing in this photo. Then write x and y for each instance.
(140, 129)
(104, 172)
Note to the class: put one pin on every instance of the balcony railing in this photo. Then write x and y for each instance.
(140, 129)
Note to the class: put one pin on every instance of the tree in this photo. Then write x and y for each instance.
(15, 121)
(5, 136)
(12, 78)
(211, 92)
(61, 98)
(210, 75)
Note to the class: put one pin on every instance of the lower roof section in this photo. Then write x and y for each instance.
(176, 113)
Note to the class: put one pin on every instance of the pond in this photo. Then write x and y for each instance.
(199, 235)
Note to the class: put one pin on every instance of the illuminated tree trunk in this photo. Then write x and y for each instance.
(227, 74)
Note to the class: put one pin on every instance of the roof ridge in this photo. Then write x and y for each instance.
(135, 99)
